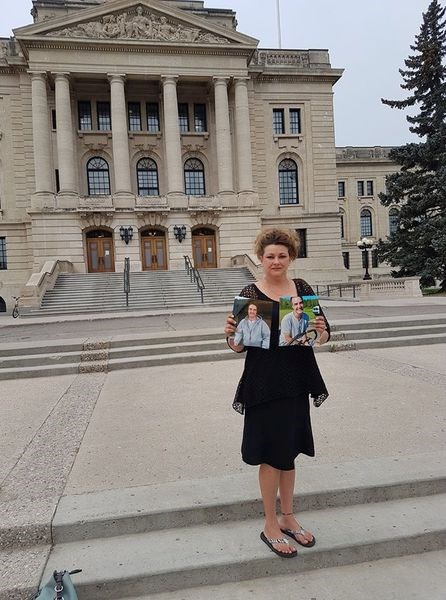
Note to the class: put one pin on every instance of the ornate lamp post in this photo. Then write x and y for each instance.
(365, 245)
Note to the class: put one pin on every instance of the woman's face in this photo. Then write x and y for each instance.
(275, 260)
(252, 312)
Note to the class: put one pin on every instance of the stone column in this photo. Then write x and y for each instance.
(172, 138)
(65, 136)
(121, 153)
(41, 135)
(243, 136)
(224, 150)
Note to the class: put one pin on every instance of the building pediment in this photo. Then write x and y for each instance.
(147, 21)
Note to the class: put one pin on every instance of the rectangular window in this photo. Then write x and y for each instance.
(104, 116)
(346, 259)
(341, 189)
(200, 118)
(342, 227)
(85, 120)
(183, 117)
(153, 117)
(375, 261)
(278, 121)
(134, 110)
(302, 243)
(369, 188)
(3, 262)
(53, 119)
(360, 188)
(295, 121)
(56, 173)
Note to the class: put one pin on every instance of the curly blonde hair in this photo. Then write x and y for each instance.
(276, 236)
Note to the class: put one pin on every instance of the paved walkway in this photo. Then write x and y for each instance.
(120, 323)
(166, 423)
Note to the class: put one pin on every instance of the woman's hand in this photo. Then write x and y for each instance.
(321, 327)
(230, 328)
(231, 325)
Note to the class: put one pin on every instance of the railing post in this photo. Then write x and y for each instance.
(340, 291)
(127, 280)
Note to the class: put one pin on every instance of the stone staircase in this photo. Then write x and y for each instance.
(149, 290)
(160, 539)
(34, 359)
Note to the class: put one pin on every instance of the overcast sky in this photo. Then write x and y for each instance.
(369, 39)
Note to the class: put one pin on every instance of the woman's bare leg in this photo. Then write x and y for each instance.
(286, 492)
(269, 479)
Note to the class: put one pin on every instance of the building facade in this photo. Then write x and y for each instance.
(126, 126)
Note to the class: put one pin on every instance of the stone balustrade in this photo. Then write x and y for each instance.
(40, 282)
(391, 288)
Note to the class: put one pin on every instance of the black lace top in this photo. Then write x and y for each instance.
(281, 371)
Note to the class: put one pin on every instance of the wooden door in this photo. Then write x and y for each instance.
(204, 250)
(100, 255)
(154, 255)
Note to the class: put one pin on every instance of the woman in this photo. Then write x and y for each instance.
(273, 392)
(252, 330)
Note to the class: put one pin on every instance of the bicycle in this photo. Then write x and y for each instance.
(15, 310)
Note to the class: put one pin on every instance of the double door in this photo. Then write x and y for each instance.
(100, 255)
(154, 255)
(204, 251)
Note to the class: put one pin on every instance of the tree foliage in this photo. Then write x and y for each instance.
(418, 246)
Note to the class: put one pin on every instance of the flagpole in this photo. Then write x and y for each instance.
(279, 30)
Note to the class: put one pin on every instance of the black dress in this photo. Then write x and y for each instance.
(273, 393)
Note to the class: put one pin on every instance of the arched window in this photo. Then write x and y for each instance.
(288, 192)
(98, 176)
(366, 222)
(393, 220)
(147, 173)
(194, 177)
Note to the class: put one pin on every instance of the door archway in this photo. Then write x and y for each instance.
(153, 250)
(100, 251)
(204, 248)
(2, 305)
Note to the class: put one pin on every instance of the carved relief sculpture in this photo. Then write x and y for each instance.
(3, 51)
(139, 26)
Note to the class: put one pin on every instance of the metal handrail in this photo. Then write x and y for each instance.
(195, 276)
(331, 288)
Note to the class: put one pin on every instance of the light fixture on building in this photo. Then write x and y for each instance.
(365, 245)
(126, 233)
(179, 232)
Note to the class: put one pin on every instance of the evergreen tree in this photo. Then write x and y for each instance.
(418, 247)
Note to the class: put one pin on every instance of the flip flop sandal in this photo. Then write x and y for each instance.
(293, 533)
(270, 542)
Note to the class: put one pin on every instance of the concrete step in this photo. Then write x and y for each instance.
(169, 560)
(79, 293)
(407, 578)
(111, 513)
(124, 352)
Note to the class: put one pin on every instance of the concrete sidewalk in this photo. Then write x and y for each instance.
(167, 423)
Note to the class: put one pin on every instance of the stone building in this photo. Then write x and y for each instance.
(156, 119)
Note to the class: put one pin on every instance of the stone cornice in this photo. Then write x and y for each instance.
(133, 46)
(297, 77)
